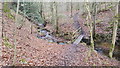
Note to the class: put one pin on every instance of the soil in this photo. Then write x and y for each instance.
(32, 51)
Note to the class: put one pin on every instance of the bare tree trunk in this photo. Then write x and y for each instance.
(0, 29)
(114, 35)
(105, 6)
(90, 27)
(31, 28)
(56, 18)
(94, 18)
(15, 31)
(78, 6)
(41, 11)
(43, 14)
(52, 12)
(71, 8)
(67, 6)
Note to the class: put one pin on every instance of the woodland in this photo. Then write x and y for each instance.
(59, 33)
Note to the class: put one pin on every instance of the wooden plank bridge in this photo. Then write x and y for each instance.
(77, 26)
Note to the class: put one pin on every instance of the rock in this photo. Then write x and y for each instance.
(61, 43)
(99, 50)
(41, 25)
(43, 33)
(50, 40)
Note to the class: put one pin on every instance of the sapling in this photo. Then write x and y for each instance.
(114, 34)
(14, 58)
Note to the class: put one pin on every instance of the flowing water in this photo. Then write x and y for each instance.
(104, 49)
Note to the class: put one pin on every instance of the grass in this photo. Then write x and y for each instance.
(7, 10)
(10, 16)
(6, 42)
(23, 61)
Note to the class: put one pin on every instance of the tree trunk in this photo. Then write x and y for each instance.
(90, 27)
(56, 18)
(114, 35)
(41, 9)
(78, 6)
(71, 8)
(0, 29)
(67, 6)
(52, 12)
(43, 15)
(15, 31)
(94, 18)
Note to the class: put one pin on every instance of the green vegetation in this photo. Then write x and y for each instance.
(6, 42)
(7, 9)
(23, 61)
(61, 23)
(30, 10)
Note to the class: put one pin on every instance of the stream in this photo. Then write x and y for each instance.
(102, 48)
(46, 35)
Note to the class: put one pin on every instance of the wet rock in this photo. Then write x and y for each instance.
(45, 34)
(61, 43)
(51, 40)
(99, 50)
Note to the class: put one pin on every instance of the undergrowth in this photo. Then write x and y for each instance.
(6, 9)
(6, 42)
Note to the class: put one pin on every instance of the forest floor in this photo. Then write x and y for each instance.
(38, 52)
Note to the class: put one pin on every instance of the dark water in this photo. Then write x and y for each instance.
(99, 47)
(105, 47)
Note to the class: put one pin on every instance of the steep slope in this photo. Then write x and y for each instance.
(38, 52)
